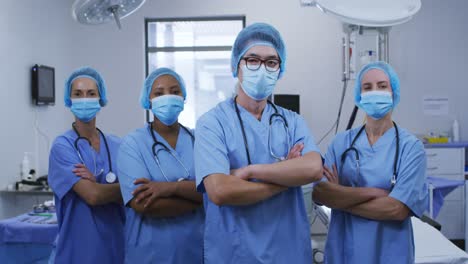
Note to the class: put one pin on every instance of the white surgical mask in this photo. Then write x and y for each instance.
(258, 84)
(85, 109)
(167, 108)
(376, 104)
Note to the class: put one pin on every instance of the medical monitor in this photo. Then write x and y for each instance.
(288, 101)
(43, 85)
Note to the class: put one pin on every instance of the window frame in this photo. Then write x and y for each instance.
(150, 50)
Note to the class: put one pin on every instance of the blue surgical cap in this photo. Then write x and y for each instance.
(145, 92)
(86, 72)
(388, 70)
(255, 35)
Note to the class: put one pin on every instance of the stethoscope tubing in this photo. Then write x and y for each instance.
(164, 147)
(75, 144)
(272, 116)
(356, 154)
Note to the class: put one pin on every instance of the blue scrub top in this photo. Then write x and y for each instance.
(158, 240)
(354, 239)
(275, 230)
(87, 234)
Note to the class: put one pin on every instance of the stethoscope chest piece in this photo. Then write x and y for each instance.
(111, 177)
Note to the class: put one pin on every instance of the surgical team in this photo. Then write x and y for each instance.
(229, 191)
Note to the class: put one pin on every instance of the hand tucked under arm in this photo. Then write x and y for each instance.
(83, 172)
(295, 151)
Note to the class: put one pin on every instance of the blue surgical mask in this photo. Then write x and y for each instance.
(376, 104)
(167, 108)
(258, 84)
(85, 109)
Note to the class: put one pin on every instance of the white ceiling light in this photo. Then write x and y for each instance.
(94, 12)
(370, 13)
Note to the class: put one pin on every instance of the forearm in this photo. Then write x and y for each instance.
(109, 193)
(188, 191)
(165, 207)
(98, 194)
(340, 197)
(293, 172)
(382, 208)
(230, 190)
(251, 193)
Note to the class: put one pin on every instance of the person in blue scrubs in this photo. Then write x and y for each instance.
(375, 185)
(251, 172)
(82, 167)
(165, 216)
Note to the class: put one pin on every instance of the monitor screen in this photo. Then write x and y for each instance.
(43, 85)
(288, 101)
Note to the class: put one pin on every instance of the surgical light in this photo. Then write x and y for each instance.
(95, 12)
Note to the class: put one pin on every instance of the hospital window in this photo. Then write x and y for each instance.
(199, 49)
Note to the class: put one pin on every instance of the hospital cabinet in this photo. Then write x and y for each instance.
(449, 163)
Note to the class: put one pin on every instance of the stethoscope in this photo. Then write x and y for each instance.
(356, 154)
(164, 147)
(272, 116)
(110, 176)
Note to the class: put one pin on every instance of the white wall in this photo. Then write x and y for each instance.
(428, 53)
(31, 32)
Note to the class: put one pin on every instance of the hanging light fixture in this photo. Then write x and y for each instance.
(370, 13)
(95, 12)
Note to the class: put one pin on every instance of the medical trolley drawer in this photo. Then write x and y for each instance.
(445, 161)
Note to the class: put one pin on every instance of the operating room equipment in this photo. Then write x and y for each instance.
(438, 189)
(95, 12)
(366, 26)
(274, 116)
(431, 247)
(27, 238)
